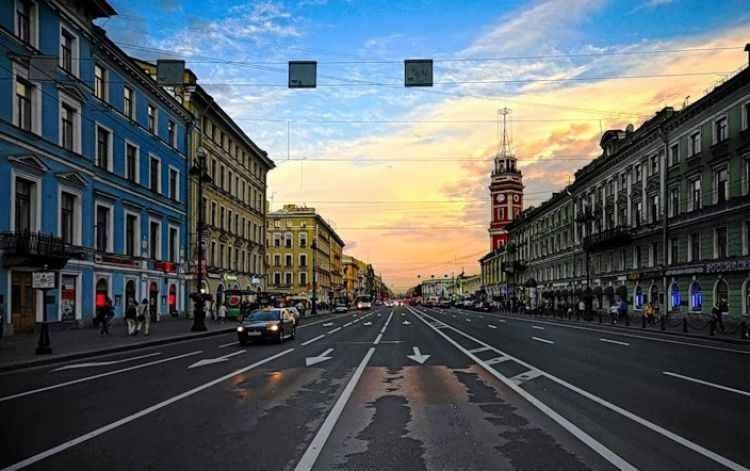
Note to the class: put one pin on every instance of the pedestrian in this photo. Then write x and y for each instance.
(622, 311)
(207, 309)
(131, 313)
(144, 319)
(105, 313)
(581, 307)
(222, 313)
(649, 312)
(717, 314)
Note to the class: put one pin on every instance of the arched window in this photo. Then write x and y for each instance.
(721, 291)
(639, 299)
(172, 299)
(102, 292)
(696, 297)
(674, 297)
(653, 294)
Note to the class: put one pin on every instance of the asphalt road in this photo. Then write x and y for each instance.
(389, 389)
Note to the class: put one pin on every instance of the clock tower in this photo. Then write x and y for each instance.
(506, 189)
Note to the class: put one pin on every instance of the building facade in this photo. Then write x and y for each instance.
(93, 165)
(506, 192)
(355, 273)
(661, 216)
(299, 242)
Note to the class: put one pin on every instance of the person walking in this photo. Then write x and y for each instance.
(131, 313)
(717, 314)
(105, 313)
(222, 313)
(144, 319)
(622, 311)
(649, 313)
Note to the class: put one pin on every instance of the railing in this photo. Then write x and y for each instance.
(36, 249)
(608, 239)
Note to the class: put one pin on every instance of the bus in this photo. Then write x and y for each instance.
(364, 303)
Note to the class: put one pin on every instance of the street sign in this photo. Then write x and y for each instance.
(170, 72)
(43, 280)
(418, 73)
(303, 74)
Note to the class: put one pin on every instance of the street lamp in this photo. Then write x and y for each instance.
(199, 297)
(314, 247)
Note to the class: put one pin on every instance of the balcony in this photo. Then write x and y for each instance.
(720, 149)
(35, 249)
(606, 240)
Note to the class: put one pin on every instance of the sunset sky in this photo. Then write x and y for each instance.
(401, 173)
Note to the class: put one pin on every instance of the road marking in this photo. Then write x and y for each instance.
(537, 327)
(624, 344)
(229, 344)
(525, 376)
(587, 439)
(347, 324)
(500, 359)
(624, 412)
(316, 446)
(328, 324)
(125, 420)
(310, 361)
(542, 340)
(315, 339)
(103, 363)
(502, 320)
(97, 376)
(480, 349)
(377, 339)
(418, 356)
(406, 323)
(367, 323)
(333, 331)
(211, 361)
(707, 383)
(492, 326)
(468, 320)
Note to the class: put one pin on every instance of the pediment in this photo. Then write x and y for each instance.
(72, 178)
(29, 162)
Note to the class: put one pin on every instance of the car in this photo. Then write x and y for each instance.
(275, 324)
(364, 303)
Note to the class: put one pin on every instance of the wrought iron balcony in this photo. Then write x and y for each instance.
(36, 249)
(606, 240)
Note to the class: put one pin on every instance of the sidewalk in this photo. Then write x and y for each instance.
(697, 326)
(19, 351)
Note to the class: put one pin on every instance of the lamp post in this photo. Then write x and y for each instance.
(199, 297)
(314, 247)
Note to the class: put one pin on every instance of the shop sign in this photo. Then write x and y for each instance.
(115, 260)
(230, 277)
(215, 276)
(685, 271)
(166, 267)
(68, 297)
(729, 266)
(43, 280)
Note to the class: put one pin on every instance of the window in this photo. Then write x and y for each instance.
(277, 279)
(720, 130)
(694, 249)
(131, 162)
(174, 178)
(103, 148)
(171, 133)
(288, 260)
(67, 50)
(674, 202)
(639, 298)
(623, 181)
(694, 143)
(276, 260)
(154, 240)
(24, 213)
(696, 297)
(221, 217)
(100, 77)
(131, 234)
(152, 119)
(67, 217)
(636, 256)
(721, 182)
(654, 208)
(654, 165)
(746, 120)
(674, 246)
(276, 241)
(674, 154)
(221, 177)
(637, 173)
(637, 213)
(229, 181)
(103, 228)
(694, 202)
(174, 244)
(303, 278)
(24, 20)
(213, 169)
(67, 124)
(212, 261)
(747, 176)
(24, 93)
(720, 242)
(674, 297)
(288, 241)
(222, 257)
(654, 254)
(128, 102)
(229, 221)
(154, 175)
(303, 260)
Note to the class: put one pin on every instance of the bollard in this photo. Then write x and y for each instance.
(662, 324)
(684, 325)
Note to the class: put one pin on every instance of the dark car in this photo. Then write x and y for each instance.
(268, 324)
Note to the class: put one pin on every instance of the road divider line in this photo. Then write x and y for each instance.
(616, 342)
(97, 376)
(492, 326)
(93, 364)
(314, 339)
(707, 383)
(542, 340)
(624, 412)
(537, 327)
(480, 349)
(496, 360)
(125, 420)
(229, 344)
(333, 331)
(316, 446)
(347, 324)
(587, 439)
(378, 338)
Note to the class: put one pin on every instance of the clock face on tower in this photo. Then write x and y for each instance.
(500, 198)
(516, 198)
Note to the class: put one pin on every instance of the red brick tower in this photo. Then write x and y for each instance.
(506, 189)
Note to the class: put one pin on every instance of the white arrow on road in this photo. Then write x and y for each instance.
(418, 356)
(406, 323)
(367, 323)
(492, 326)
(103, 363)
(211, 361)
(310, 361)
(328, 324)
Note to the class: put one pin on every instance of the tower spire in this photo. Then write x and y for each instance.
(504, 149)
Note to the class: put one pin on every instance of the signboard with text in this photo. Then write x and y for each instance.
(43, 280)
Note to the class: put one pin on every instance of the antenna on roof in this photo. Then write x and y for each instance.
(504, 149)
(685, 102)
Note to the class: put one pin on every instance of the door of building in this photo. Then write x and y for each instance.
(153, 299)
(23, 302)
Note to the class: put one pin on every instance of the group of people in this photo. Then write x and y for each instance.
(137, 317)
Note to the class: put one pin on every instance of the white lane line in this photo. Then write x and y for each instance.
(333, 331)
(119, 423)
(624, 344)
(502, 320)
(624, 412)
(378, 338)
(707, 383)
(587, 439)
(542, 340)
(314, 339)
(525, 376)
(328, 324)
(493, 361)
(347, 324)
(229, 344)
(537, 327)
(480, 349)
(316, 446)
(97, 376)
(492, 326)
(75, 366)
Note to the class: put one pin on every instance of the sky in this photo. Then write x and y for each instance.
(402, 173)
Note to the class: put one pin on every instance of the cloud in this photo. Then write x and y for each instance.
(649, 5)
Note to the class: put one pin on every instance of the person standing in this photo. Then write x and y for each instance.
(131, 313)
(717, 312)
(222, 313)
(144, 320)
(106, 313)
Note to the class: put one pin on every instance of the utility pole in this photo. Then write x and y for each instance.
(314, 247)
(199, 170)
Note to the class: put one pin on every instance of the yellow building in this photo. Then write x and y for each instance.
(291, 234)
(354, 277)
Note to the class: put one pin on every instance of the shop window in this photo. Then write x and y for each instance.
(674, 296)
(639, 299)
(696, 297)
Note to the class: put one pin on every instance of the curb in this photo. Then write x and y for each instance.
(610, 328)
(120, 348)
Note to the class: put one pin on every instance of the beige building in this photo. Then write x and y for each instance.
(355, 272)
(299, 241)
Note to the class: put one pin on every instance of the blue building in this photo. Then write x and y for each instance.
(92, 169)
